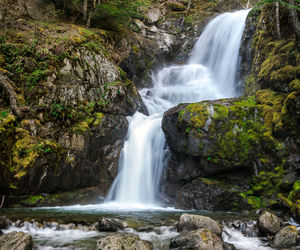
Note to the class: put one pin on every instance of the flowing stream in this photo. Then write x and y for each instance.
(209, 74)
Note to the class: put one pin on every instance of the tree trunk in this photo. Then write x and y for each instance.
(248, 4)
(84, 10)
(189, 6)
(6, 84)
(88, 24)
(295, 20)
(2, 202)
(278, 21)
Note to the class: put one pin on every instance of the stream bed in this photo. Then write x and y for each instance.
(75, 227)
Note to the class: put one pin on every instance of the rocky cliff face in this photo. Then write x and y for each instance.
(243, 149)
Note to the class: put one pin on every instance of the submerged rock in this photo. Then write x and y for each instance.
(188, 222)
(268, 223)
(111, 225)
(123, 241)
(16, 241)
(201, 239)
(286, 237)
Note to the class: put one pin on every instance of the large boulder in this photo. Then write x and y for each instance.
(268, 223)
(188, 222)
(123, 241)
(111, 225)
(286, 237)
(16, 241)
(201, 239)
(207, 194)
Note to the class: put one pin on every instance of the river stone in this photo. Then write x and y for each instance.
(16, 241)
(111, 225)
(286, 237)
(188, 222)
(268, 223)
(124, 241)
(201, 239)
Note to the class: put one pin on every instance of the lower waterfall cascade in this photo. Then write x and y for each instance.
(209, 74)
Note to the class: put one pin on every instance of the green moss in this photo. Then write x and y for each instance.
(32, 200)
(99, 119)
(295, 86)
(27, 150)
(135, 48)
(220, 111)
(255, 202)
(81, 128)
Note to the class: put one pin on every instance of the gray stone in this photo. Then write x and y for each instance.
(123, 241)
(286, 237)
(16, 241)
(188, 222)
(152, 16)
(201, 239)
(268, 223)
(111, 225)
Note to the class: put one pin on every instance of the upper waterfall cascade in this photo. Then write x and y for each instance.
(209, 74)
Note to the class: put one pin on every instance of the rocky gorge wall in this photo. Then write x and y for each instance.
(242, 152)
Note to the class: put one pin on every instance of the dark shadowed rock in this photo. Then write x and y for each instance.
(201, 239)
(268, 223)
(123, 241)
(207, 194)
(16, 241)
(111, 225)
(188, 222)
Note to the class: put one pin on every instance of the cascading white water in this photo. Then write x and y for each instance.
(210, 74)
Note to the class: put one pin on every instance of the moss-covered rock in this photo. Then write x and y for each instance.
(7, 130)
(227, 134)
(246, 134)
(269, 62)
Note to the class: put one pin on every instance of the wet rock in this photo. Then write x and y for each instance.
(111, 225)
(286, 237)
(228, 246)
(246, 50)
(188, 222)
(201, 239)
(268, 223)
(207, 194)
(4, 222)
(123, 241)
(16, 241)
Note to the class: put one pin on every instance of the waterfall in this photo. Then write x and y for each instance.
(210, 74)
